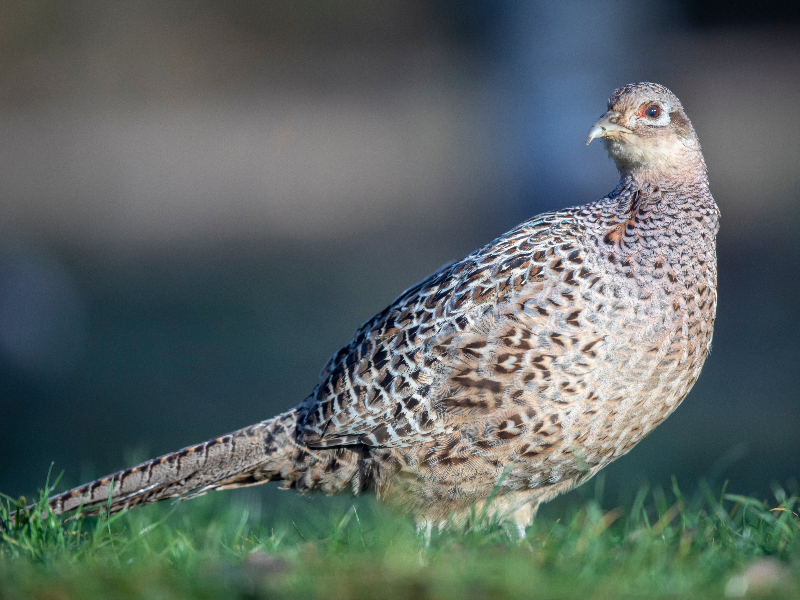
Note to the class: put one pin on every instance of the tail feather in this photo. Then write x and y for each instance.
(249, 456)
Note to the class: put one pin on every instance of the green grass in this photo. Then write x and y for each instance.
(664, 545)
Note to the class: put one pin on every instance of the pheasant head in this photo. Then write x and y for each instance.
(649, 136)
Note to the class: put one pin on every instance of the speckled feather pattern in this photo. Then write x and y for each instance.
(527, 366)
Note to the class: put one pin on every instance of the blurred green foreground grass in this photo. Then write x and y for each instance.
(664, 545)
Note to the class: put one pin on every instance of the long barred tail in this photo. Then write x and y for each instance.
(249, 456)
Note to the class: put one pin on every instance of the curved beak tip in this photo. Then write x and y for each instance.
(605, 126)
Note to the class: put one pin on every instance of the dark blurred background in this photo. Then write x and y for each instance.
(200, 201)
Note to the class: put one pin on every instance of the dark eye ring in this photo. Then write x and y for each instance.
(653, 111)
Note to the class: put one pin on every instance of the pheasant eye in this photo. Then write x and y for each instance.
(653, 111)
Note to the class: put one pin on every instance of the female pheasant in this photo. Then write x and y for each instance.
(519, 371)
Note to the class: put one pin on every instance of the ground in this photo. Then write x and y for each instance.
(665, 544)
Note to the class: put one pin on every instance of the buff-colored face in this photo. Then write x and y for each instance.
(646, 129)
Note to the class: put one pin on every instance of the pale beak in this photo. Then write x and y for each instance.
(605, 127)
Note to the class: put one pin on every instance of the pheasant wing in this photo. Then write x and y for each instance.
(449, 350)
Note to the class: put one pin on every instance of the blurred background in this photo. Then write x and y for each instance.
(201, 200)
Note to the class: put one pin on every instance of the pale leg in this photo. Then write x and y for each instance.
(523, 517)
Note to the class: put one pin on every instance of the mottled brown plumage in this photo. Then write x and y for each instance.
(527, 366)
